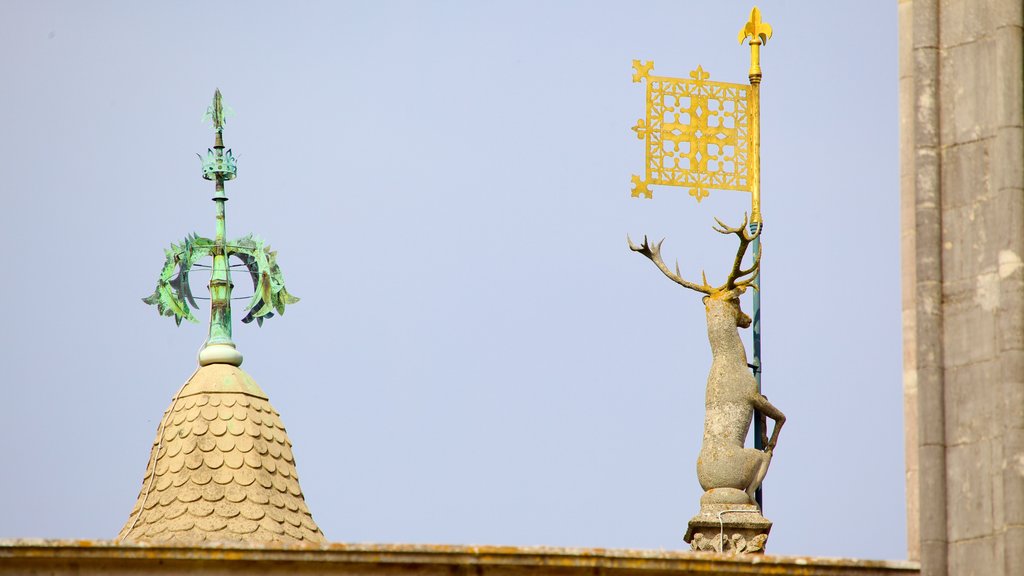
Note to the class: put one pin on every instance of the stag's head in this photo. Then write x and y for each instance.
(722, 302)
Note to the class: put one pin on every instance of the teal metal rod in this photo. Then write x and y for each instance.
(760, 424)
(220, 279)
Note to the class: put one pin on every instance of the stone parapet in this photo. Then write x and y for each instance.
(107, 558)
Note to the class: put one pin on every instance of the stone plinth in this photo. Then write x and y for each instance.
(729, 523)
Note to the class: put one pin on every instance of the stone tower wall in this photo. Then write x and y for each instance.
(962, 186)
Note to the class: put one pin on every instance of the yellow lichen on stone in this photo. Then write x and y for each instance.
(221, 469)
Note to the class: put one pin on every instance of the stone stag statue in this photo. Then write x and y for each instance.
(729, 473)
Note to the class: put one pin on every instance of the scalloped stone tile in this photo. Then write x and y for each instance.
(221, 469)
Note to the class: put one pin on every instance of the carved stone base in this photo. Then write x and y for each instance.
(728, 523)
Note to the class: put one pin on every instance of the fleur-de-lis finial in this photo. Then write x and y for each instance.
(758, 32)
(755, 29)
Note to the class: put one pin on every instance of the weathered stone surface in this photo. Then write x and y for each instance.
(967, 113)
(979, 500)
(964, 169)
(905, 42)
(730, 400)
(90, 557)
(968, 336)
(729, 521)
(728, 526)
(968, 105)
(1008, 160)
(1006, 13)
(964, 21)
(908, 249)
(1007, 89)
(1010, 466)
(974, 557)
(932, 469)
(738, 541)
(970, 409)
(221, 469)
(728, 472)
(969, 488)
(1013, 549)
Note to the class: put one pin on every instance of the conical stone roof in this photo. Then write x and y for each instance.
(221, 469)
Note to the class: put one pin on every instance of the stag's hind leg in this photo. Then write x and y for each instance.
(762, 470)
(729, 466)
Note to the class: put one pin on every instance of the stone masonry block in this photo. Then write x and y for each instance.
(931, 431)
(1008, 157)
(934, 557)
(1012, 415)
(907, 195)
(911, 442)
(998, 492)
(907, 202)
(1009, 250)
(963, 21)
(966, 233)
(906, 101)
(1008, 85)
(968, 106)
(933, 509)
(910, 419)
(977, 557)
(1007, 13)
(958, 252)
(1000, 549)
(1010, 320)
(1013, 550)
(908, 285)
(969, 336)
(969, 473)
(928, 266)
(965, 173)
(926, 132)
(909, 352)
(905, 43)
(956, 292)
(1011, 466)
(972, 402)
(1009, 224)
(1010, 334)
(924, 15)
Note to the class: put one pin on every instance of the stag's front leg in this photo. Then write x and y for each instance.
(762, 405)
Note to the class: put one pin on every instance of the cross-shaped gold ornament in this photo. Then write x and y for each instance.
(701, 134)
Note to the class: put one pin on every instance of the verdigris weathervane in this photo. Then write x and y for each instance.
(173, 294)
(221, 467)
(705, 135)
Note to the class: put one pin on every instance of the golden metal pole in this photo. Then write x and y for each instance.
(758, 32)
(755, 136)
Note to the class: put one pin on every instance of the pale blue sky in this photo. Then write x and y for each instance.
(477, 357)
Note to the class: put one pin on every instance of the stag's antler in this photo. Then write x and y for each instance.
(653, 251)
(736, 275)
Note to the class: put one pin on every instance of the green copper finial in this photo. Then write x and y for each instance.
(173, 293)
(218, 165)
(216, 111)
